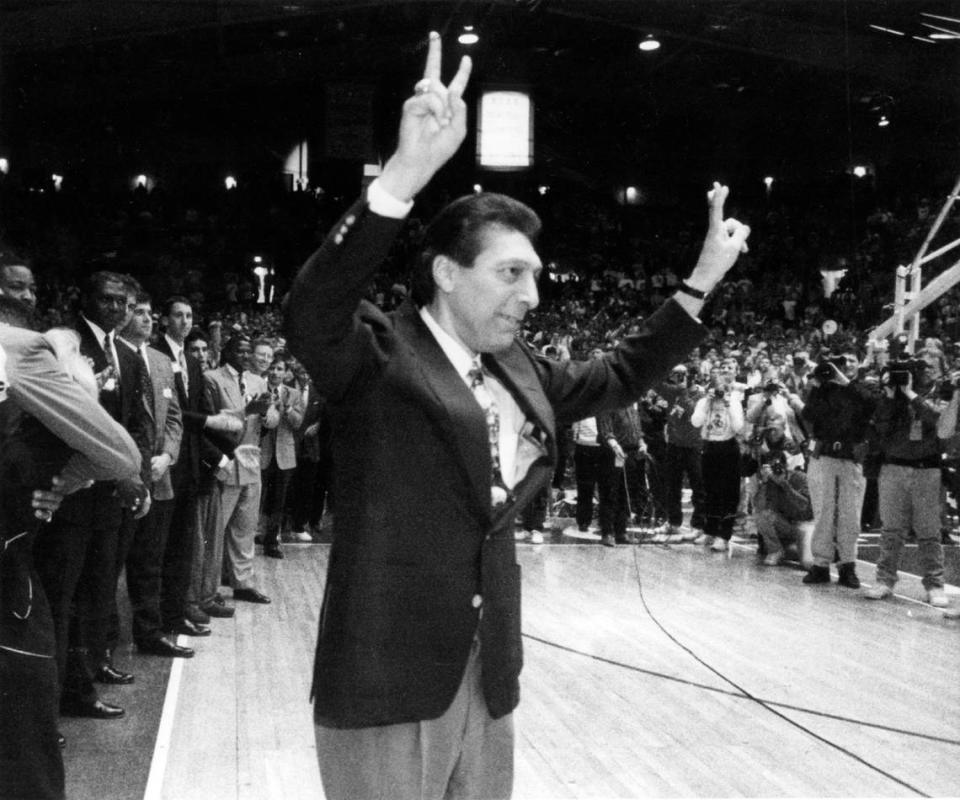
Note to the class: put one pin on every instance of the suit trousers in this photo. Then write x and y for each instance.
(680, 461)
(30, 762)
(836, 486)
(311, 487)
(910, 499)
(181, 549)
(275, 483)
(231, 525)
(463, 754)
(143, 560)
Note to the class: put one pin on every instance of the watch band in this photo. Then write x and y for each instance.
(686, 288)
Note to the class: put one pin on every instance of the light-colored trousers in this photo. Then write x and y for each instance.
(462, 755)
(837, 487)
(232, 513)
(910, 498)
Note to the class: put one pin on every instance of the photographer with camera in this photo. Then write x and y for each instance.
(682, 454)
(906, 427)
(838, 411)
(782, 500)
(719, 415)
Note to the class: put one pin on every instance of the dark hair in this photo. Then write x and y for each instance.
(9, 258)
(95, 281)
(16, 313)
(171, 301)
(458, 232)
(196, 333)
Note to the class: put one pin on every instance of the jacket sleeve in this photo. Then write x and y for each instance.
(323, 328)
(105, 451)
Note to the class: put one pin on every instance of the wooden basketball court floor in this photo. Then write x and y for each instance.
(650, 671)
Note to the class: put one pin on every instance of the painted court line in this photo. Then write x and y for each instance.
(161, 751)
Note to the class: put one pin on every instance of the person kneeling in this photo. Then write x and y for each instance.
(781, 504)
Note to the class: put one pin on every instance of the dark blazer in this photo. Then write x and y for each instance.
(415, 538)
(200, 449)
(129, 403)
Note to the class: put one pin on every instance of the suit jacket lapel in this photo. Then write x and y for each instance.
(455, 402)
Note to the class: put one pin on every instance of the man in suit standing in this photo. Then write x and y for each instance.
(77, 552)
(52, 428)
(278, 454)
(143, 551)
(233, 507)
(445, 430)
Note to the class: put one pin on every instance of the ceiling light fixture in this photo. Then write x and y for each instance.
(887, 30)
(884, 121)
(937, 16)
(469, 36)
(649, 44)
(943, 33)
(923, 39)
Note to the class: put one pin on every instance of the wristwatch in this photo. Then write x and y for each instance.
(686, 288)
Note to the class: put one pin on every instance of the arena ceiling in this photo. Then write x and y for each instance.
(748, 87)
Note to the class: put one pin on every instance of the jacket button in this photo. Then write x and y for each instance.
(477, 601)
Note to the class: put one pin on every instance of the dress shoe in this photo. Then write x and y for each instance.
(107, 673)
(608, 541)
(250, 595)
(95, 709)
(817, 574)
(214, 609)
(848, 575)
(187, 628)
(273, 552)
(162, 646)
(196, 616)
(878, 591)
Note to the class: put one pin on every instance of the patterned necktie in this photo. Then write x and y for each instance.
(182, 359)
(108, 352)
(498, 492)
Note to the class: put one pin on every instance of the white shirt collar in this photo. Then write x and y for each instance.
(461, 359)
(175, 348)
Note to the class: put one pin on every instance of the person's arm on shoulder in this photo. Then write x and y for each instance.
(40, 386)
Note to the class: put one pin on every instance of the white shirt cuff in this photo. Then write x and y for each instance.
(384, 204)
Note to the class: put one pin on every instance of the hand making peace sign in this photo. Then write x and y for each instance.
(433, 125)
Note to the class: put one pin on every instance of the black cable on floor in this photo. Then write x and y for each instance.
(760, 702)
(730, 693)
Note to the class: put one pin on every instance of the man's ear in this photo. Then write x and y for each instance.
(444, 272)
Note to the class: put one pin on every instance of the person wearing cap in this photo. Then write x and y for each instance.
(446, 428)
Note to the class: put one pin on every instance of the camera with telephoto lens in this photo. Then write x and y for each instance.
(717, 393)
(824, 370)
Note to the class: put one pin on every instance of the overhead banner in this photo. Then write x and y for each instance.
(505, 130)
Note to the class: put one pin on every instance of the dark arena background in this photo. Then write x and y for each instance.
(205, 147)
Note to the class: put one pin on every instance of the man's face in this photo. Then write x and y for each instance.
(260, 361)
(107, 307)
(199, 349)
(179, 321)
(17, 282)
(277, 372)
(486, 302)
(140, 324)
(238, 354)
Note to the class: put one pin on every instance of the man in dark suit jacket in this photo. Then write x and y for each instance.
(414, 686)
(49, 426)
(205, 439)
(77, 552)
